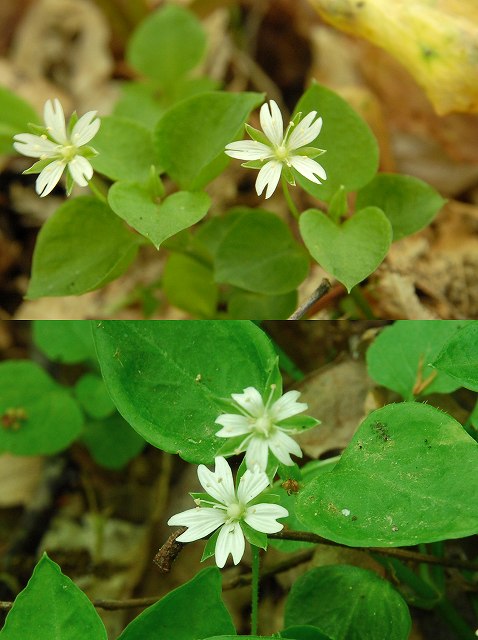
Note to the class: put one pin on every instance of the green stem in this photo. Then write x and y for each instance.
(448, 612)
(290, 203)
(99, 188)
(255, 589)
(359, 299)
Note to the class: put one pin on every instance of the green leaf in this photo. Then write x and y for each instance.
(304, 632)
(52, 607)
(397, 483)
(259, 254)
(166, 45)
(243, 305)
(139, 101)
(91, 393)
(82, 247)
(253, 536)
(190, 138)
(351, 157)
(15, 114)
(458, 357)
(68, 341)
(112, 442)
(194, 610)
(213, 231)
(125, 149)
(409, 203)
(400, 356)
(49, 418)
(133, 202)
(167, 379)
(348, 603)
(351, 251)
(189, 284)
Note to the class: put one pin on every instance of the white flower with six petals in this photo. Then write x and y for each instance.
(229, 509)
(58, 149)
(261, 425)
(275, 152)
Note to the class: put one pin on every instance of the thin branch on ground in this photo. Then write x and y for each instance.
(322, 289)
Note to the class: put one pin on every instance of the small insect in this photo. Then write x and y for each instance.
(291, 486)
(381, 430)
(13, 418)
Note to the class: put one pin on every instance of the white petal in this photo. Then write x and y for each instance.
(251, 485)
(308, 167)
(234, 425)
(282, 445)
(49, 177)
(248, 150)
(219, 484)
(262, 517)
(85, 129)
(287, 406)
(55, 120)
(251, 401)
(230, 540)
(271, 122)
(269, 175)
(34, 146)
(305, 132)
(257, 453)
(200, 521)
(81, 170)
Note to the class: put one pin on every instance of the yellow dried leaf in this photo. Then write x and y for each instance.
(436, 40)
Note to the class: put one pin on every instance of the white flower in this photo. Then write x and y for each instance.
(275, 152)
(58, 149)
(261, 424)
(228, 510)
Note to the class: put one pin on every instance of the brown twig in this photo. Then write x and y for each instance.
(319, 293)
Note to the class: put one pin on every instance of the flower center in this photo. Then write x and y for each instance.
(264, 425)
(235, 511)
(281, 152)
(68, 152)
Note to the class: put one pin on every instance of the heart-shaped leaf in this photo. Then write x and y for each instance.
(189, 284)
(133, 202)
(52, 607)
(168, 379)
(350, 251)
(397, 482)
(348, 603)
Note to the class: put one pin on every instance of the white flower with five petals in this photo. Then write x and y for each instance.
(58, 148)
(263, 427)
(276, 153)
(228, 510)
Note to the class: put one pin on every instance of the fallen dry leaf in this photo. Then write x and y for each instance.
(19, 477)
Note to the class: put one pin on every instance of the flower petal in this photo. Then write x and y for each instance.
(219, 484)
(248, 150)
(308, 167)
(81, 170)
(287, 406)
(305, 131)
(251, 485)
(271, 122)
(49, 177)
(230, 541)
(85, 129)
(251, 401)
(200, 521)
(233, 425)
(269, 175)
(262, 517)
(34, 146)
(257, 453)
(55, 120)
(282, 445)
